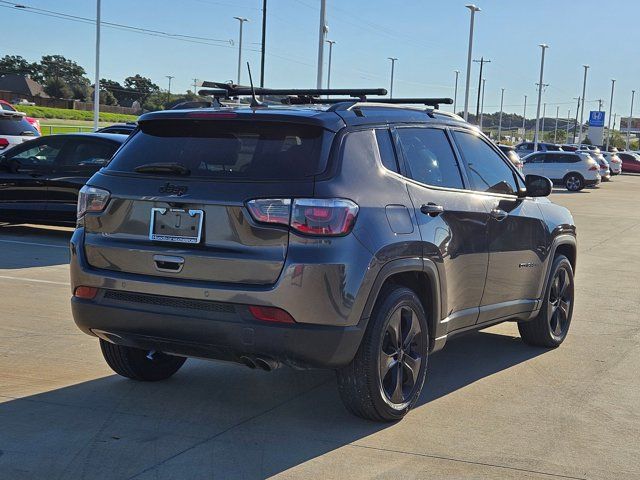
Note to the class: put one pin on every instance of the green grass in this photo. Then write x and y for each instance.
(65, 114)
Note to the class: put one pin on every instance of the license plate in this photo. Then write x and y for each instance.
(176, 225)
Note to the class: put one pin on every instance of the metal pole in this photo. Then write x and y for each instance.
(500, 118)
(524, 119)
(264, 39)
(613, 84)
(96, 87)
(241, 20)
(473, 10)
(455, 93)
(482, 61)
(393, 63)
(321, 39)
(633, 94)
(568, 121)
(195, 85)
(330, 42)
(555, 132)
(484, 81)
(544, 115)
(535, 139)
(170, 77)
(575, 126)
(584, 88)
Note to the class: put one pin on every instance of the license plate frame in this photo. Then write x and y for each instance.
(174, 233)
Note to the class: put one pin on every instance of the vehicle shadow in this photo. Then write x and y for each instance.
(213, 420)
(568, 192)
(25, 246)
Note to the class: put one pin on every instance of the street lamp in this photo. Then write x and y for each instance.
(500, 118)
(544, 47)
(241, 20)
(96, 87)
(322, 37)
(330, 42)
(455, 92)
(633, 94)
(524, 120)
(613, 84)
(473, 9)
(393, 64)
(584, 88)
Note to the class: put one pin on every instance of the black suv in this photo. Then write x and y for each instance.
(355, 236)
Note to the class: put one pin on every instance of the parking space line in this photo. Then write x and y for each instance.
(35, 280)
(34, 243)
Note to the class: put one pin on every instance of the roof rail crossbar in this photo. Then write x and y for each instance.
(238, 90)
(432, 102)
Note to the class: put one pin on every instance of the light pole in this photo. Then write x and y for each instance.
(584, 88)
(613, 84)
(544, 115)
(482, 61)
(500, 118)
(331, 43)
(575, 126)
(473, 10)
(484, 81)
(241, 20)
(544, 47)
(524, 120)
(393, 64)
(633, 94)
(96, 87)
(322, 37)
(264, 40)
(170, 77)
(455, 92)
(568, 121)
(555, 131)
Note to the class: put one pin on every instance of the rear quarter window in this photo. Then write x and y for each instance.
(227, 150)
(16, 126)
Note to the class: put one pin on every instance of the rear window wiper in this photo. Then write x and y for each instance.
(174, 168)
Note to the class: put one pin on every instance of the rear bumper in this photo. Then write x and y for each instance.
(221, 338)
(592, 183)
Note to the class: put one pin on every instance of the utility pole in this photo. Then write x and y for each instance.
(633, 94)
(170, 77)
(544, 114)
(613, 84)
(584, 89)
(599, 104)
(500, 118)
(96, 86)
(482, 61)
(331, 43)
(393, 64)
(524, 120)
(195, 85)
(484, 80)
(241, 20)
(555, 132)
(473, 9)
(544, 47)
(455, 92)
(568, 122)
(264, 39)
(321, 39)
(575, 128)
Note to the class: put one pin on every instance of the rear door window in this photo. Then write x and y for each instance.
(429, 157)
(226, 150)
(87, 153)
(387, 152)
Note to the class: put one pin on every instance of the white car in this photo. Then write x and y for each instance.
(596, 154)
(615, 163)
(14, 129)
(574, 170)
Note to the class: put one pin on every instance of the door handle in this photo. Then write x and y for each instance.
(168, 263)
(499, 214)
(432, 209)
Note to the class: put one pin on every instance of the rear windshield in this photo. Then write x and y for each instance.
(553, 148)
(16, 126)
(226, 149)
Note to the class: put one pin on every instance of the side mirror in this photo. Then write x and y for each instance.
(538, 186)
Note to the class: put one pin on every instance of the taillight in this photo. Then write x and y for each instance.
(270, 314)
(4, 143)
(310, 216)
(594, 168)
(92, 199)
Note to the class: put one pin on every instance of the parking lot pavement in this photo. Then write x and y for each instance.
(493, 407)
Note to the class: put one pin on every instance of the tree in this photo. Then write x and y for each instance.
(141, 87)
(58, 88)
(107, 98)
(122, 95)
(15, 64)
(81, 91)
(59, 67)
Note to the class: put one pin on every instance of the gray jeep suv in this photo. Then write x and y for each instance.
(357, 236)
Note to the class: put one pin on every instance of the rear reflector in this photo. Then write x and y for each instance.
(88, 293)
(270, 314)
(4, 143)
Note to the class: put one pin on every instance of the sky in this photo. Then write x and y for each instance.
(429, 38)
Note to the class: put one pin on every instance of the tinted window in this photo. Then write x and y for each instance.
(429, 157)
(488, 172)
(553, 148)
(84, 153)
(226, 149)
(536, 158)
(387, 152)
(4, 106)
(16, 126)
(36, 155)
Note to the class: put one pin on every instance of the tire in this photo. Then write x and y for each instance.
(550, 327)
(370, 394)
(574, 182)
(135, 363)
